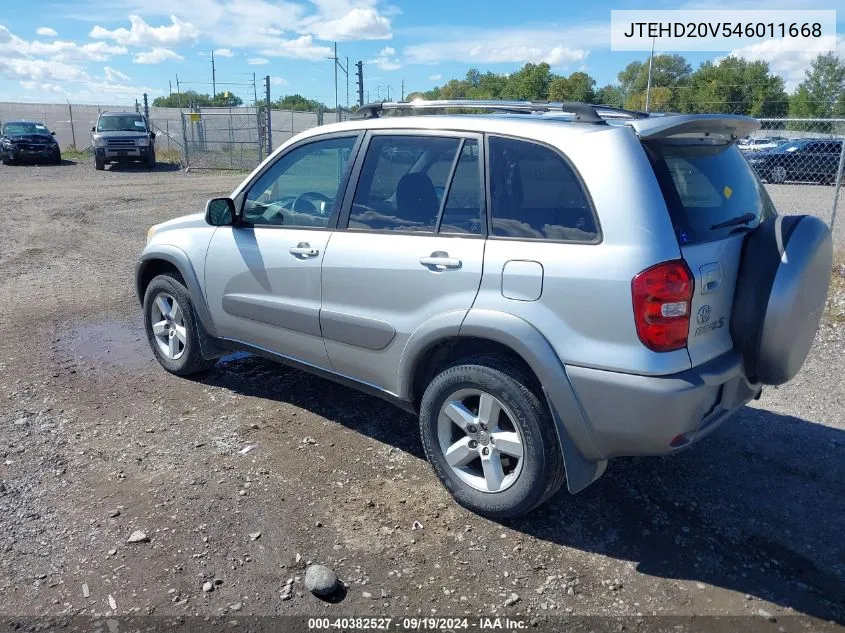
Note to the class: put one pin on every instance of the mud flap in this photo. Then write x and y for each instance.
(580, 472)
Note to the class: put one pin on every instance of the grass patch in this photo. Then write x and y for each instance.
(168, 156)
(71, 153)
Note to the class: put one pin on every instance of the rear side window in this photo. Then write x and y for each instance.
(710, 190)
(535, 194)
(402, 183)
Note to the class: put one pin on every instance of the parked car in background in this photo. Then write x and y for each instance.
(760, 144)
(28, 141)
(122, 137)
(545, 292)
(802, 160)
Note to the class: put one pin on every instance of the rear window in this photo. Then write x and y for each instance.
(706, 186)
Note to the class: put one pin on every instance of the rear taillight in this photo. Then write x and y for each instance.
(662, 296)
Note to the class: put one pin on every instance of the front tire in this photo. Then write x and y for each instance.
(490, 438)
(778, 175)
(169, 321)
(57, 157)
(151, 160)
(99, 164)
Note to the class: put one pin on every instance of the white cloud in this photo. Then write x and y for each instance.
(257, 61)
(357, 24)
(71, 51)
(156, 56)
(301, 48)
(40, 86)
(503, 45)
(278, 81)
(40, 70)
(386, 60)
(224, 52)
(789, 64)
(436, 77)
(115, 75)
(46, 31)
(142, 34)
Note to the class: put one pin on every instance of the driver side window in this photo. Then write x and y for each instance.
(300, 189)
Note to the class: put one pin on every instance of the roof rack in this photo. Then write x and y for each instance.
(581, 112)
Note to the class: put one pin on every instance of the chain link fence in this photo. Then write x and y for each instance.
(796, 152)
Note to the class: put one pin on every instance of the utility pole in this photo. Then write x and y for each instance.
(360, 74)
(368, 96)
(388, 92)
(178, 92)
(267, 118)
(648, 86)
(254, 91)
(336, 62)
(378, 92)
(170, 88)
(403, 90)
(213, 77)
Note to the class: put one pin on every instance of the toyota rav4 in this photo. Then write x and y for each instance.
(547, 287)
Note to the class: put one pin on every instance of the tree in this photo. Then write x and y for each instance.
(184, 99)
(298, 103)
(735, 86)
(579, 86)
(822, 93)
(667, 71)
(226, 100)
(611, 95)
(531, 83)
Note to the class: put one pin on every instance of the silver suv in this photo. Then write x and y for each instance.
(123, 137)
(547, 287)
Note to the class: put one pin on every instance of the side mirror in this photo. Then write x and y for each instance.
(152, 134)
(94, 129)
(52, 133)
(220, 212)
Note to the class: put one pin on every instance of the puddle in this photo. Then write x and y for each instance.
(116, 343)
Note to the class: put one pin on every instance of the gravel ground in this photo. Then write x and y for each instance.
(241, 478)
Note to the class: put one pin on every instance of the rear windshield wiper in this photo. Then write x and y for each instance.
(745, 218)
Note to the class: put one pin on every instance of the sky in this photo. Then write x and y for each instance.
(112, 51)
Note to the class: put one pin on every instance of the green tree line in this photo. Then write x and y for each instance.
(730, 86)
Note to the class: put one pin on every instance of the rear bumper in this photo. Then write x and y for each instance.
(655, 415)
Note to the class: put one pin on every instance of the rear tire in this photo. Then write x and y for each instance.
(99, 164)
(523, 465)
(151, 161)
(778, 175)
(169, 321)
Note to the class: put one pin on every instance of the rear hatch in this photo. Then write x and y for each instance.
(714, 198)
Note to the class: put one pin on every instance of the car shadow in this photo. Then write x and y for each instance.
(141, 167)
(756, 508)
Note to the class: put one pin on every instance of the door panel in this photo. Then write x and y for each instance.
(376, 293)
(261, 293)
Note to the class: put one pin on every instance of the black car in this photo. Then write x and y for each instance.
(27, 140)
(813, 160)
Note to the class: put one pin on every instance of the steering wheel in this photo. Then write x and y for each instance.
(307, 196)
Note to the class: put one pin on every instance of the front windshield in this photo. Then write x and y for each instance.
(23, 128)
(122, 123)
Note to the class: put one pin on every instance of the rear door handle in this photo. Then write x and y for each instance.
(304, 250)
(440, 260)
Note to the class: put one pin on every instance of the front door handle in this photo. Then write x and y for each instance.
(303, 250)
(440, 260)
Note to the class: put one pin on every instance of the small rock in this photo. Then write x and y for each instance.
(114, 514)
(298, 557)
(417, 526)
(318, 524)
(286, 592)
(85, 591)
(320, 580)
(207, 587)
(138, 537)
(309, 440)
(112, 603)
(112, 552)
(236, 607)
(246, 449)
(512, 600)
(367, 595)
(254, 536)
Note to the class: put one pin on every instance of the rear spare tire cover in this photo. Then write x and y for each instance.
(781, 291)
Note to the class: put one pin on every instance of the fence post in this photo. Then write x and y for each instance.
(838, 185)
(72, 131)
(269, 123)
(184, 137)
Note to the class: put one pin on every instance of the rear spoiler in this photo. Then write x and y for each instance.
(726, 126)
